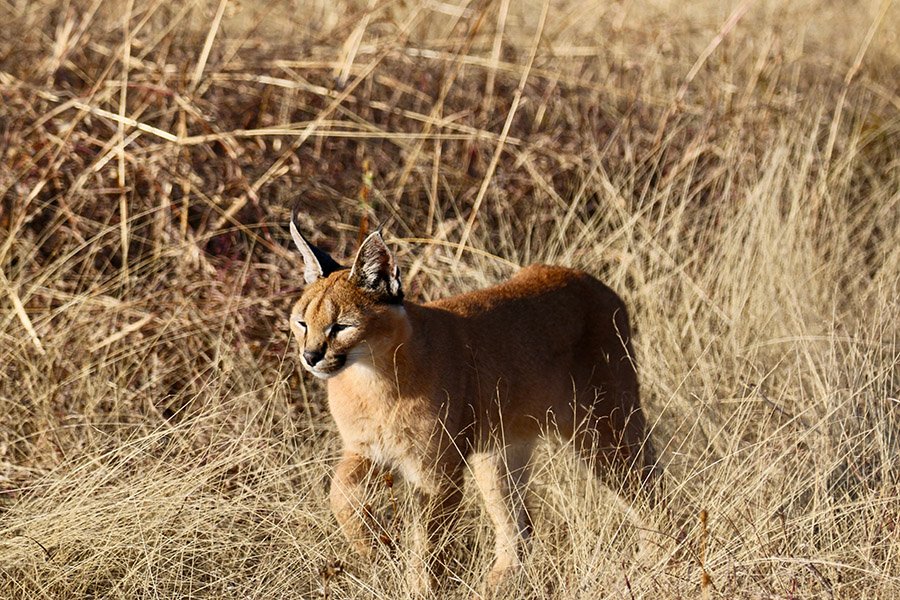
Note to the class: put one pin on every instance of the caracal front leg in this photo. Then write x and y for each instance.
(438, 513)
(348, 501)
(502, 478)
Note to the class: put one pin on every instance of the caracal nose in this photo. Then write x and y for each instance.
(313, 356)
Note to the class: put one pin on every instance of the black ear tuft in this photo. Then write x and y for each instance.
(375, 269)
(316, 263)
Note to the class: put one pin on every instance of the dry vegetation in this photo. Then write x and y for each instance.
(732, 169)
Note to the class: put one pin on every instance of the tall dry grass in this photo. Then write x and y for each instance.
(731, 168)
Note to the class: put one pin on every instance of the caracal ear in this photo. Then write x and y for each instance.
(375, 269)
(316, 263)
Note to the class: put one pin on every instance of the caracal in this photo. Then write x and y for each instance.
(466, 383)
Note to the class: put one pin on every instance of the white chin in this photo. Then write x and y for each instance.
(319, 374)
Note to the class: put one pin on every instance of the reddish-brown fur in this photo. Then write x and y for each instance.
(469, 383)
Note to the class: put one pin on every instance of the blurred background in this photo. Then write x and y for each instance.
(732, 169)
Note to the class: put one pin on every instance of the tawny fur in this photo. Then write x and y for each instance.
(468, 383)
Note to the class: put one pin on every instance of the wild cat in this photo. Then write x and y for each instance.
(466, 383)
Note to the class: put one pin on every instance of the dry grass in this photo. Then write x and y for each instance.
(732, 168)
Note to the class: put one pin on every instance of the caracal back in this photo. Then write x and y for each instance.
(551, 349)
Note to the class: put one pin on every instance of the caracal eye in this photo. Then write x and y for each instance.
(300, 323)
(336, 328)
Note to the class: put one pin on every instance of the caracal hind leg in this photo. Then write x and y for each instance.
(502, 478)
(612, 435)
(348, 502)
(615, 447)
(615, 450)
(438, 514)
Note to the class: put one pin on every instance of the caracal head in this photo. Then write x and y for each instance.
(347, 316)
